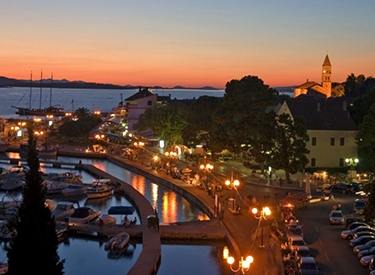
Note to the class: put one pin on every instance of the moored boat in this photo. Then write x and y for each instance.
(84, 215)
(63, 209)
(99, 190)
(118, 241)
(74, 190)
(56, 187)
(13, 184)
(106, 220)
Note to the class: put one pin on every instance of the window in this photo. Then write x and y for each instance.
(342, 141)
(341, 162)
(149, 103)
(332, 141)
(313, 162)
(313, 141)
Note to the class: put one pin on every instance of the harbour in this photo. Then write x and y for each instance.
(170, 237)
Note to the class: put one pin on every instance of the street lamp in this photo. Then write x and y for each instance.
(352, 162)
(206, 169)
(262, 215)
(243, 264)
(232, 183)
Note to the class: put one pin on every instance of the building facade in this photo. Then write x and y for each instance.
(331, 130)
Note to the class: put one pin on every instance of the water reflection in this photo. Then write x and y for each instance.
(171, 206)
(155, 196)
(169, 209)
(138, 183)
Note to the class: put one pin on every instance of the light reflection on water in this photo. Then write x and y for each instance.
(87, 256)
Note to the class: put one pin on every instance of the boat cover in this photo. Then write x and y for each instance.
(121, 210)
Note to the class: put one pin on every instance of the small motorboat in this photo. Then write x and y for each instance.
(13, 184)
(118, 241)
(5, 203)
(56, 187)
(99, 190)
(84, 215)
(70, 177)
(5, 233)
(60, 230)
(106, 220)
(75, 190)
(63, 209)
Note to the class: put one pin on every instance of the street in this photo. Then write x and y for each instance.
(332, 253)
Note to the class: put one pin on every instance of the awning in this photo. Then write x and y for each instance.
(121, 210)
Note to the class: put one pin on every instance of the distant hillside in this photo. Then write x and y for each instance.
(63, 83)
(11, 82)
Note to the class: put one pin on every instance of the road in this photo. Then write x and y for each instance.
(332, 253)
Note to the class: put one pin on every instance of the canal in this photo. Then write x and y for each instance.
(86, 255)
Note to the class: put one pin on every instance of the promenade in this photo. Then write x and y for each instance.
(243, 231)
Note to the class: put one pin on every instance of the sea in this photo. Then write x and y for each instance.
(93, 99)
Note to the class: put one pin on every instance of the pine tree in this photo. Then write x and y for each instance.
(34, 248)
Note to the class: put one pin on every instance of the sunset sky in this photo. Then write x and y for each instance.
(186, 42)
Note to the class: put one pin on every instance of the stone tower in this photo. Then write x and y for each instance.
(326, 76)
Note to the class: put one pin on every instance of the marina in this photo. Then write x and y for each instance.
(136, 230)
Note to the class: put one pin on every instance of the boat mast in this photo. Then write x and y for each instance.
(31, 87)
(40, 94)
(50, 92)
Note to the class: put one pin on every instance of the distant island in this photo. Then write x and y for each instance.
(66, 84)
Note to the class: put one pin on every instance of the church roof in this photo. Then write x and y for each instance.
(326, 61)
(307, 85)
(323, 114)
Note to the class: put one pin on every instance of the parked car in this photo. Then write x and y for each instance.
(336, 217)
(359, 206)
(307, 265)
(297, 241)
(370, 231)
(349, 234)
(361, 240)
(302, 251)
(367, 245)
(294, 229)
(342, 188)
(352, 222)
(366, 252)
(365, 261)
(357, 186)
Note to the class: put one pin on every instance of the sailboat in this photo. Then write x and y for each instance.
(51, 110)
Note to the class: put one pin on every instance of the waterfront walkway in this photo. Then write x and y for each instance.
(244, 235)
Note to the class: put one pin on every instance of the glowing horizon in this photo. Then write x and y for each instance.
(189, 43)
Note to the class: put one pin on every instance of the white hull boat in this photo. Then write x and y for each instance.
(74, 190)
(99, 191)
(63, 210)
(84, 215)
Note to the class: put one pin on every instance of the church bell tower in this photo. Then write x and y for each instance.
(326, 76)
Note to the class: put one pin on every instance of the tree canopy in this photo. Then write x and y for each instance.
(246, 116)
(167, 122)
(289, 151)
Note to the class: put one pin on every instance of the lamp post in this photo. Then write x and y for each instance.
(351, 162)
(243, 264)
(232, 184)
(206, 169)
(262, 215)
